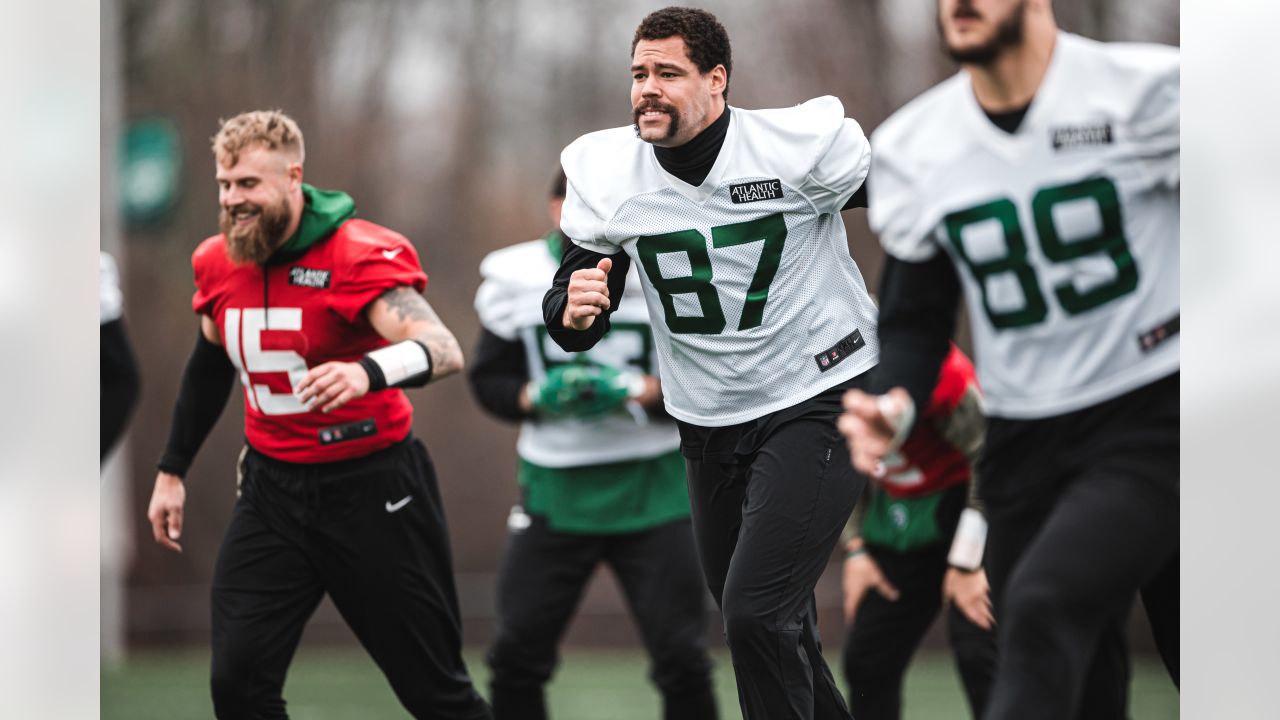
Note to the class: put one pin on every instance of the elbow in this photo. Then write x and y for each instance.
(450, 361)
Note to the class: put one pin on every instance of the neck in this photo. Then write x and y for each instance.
(296, 205)
(1011, 80)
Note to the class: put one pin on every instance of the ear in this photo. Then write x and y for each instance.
(295, 175)
(719, 79)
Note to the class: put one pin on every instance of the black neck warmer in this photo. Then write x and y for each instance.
(693, 160)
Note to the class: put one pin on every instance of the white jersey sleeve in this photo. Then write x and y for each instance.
(1155, 126)
(505, 301)
(110, 299)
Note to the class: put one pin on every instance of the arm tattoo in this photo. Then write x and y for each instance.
(425, 326)
(409, 304)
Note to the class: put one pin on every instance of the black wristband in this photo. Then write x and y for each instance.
(377, 380)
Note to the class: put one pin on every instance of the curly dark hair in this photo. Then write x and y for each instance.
(705, 39)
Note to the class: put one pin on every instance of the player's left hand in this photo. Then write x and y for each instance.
(332, 385)
(971, 595)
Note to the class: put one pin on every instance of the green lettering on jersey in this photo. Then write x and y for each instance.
(1110, 240)
(771, 230)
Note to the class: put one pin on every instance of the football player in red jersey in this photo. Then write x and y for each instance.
(321, 316)
(898, 571)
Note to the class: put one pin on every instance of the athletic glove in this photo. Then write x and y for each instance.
(581, 391)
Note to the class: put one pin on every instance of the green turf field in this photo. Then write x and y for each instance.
(343, 684)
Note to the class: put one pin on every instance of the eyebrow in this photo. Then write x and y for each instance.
(660, 66)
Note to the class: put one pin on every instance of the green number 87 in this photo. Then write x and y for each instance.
(772, 230)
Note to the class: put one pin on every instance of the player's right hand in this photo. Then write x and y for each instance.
(588, 295)
(861, 573)
(870, 425)
(165, 511)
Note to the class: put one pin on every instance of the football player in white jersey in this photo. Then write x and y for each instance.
(602, 482)
(761, 320)
(1043, 180)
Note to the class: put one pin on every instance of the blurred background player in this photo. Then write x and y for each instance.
(761, 321)
(1044, 180)
(915, 547)
(601, 481)
(118, 370)
(321, 316)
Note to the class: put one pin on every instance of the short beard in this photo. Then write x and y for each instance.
(1008, 34)
(673, 115)
(259, 241)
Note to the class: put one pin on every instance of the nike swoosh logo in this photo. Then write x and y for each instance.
(394, 506)
(390, 254)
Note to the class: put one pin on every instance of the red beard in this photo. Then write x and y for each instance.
(257, 241)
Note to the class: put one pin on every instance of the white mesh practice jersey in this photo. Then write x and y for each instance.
(1064, 234)
(756, 304)
(510, 306)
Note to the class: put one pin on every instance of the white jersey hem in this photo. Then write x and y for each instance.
(628, 452)
(1084, 397)
(758, 412)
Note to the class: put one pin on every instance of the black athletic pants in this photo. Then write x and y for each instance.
(543, 575)
(1083, 514)
(370, 532)
(885, 634)
(770, 498)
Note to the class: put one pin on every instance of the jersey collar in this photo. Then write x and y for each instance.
(701, 193)
(1012, 145)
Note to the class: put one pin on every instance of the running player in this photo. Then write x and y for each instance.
(761, 322)
(1043, 179)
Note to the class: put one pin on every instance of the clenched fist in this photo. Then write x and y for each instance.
(588, 295)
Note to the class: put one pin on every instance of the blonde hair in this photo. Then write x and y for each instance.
(270, 128)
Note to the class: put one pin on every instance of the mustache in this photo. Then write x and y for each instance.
(653, 105)
(966, 10)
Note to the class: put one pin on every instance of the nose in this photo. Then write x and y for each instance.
(230, 197)
(649, 88)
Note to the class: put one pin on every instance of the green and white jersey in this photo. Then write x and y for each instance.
(756, 303)
(509, 303)
(1064, 233)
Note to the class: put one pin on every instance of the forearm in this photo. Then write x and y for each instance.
(118, 373)
(918, 305)
(402, 315)
(556, 300)
(499, 376)
(206, 385)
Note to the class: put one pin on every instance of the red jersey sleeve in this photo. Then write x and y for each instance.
(377, 259)
(953, 381)
(208, 257)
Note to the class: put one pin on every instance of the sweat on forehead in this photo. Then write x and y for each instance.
(271, 129)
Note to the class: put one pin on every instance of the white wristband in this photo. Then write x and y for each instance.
(969, 542)
(403, 361)
(900, 418)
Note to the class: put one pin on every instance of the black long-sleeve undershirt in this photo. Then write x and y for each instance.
(497, 372)
(119, 379)
(919, 302)
(554, 302)
(206, 385)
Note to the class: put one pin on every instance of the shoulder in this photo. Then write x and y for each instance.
(918, 131)
(608, 167)
(357, 241)
(516, 263)
(794, 140)
(513, 279)
(1132, 81)
(210, 260)
(811, 121)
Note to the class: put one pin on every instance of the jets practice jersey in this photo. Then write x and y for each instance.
(756, 304)
(509, 303)
(1064, 233)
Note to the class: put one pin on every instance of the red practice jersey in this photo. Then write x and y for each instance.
(937, 455)
(279, 320)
